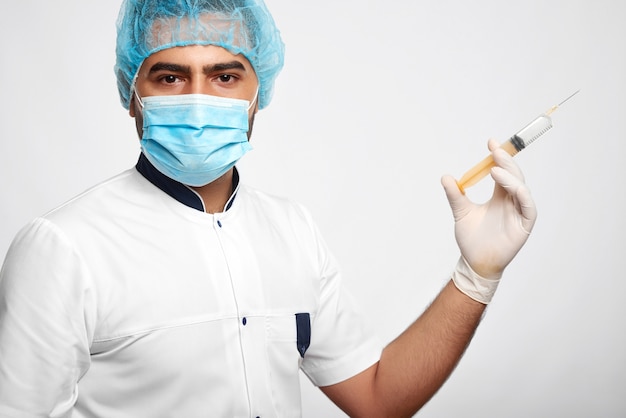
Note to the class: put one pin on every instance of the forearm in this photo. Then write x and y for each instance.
(415, 365)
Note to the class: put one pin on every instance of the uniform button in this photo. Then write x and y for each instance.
(219, 223)
(244, 321)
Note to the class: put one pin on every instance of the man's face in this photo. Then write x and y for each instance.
(195, 69)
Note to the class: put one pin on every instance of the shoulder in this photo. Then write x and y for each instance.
(109, 200)
(124, 184)
(96, 212)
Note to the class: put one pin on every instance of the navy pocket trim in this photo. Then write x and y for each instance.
(303, 327)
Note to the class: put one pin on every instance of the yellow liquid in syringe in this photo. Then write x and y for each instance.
(480, 170)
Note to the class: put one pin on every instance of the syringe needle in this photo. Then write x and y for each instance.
(570, 96)
(518, 142)
(553, 108)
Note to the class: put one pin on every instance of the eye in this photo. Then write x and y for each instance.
(169, 79)
(226, 78)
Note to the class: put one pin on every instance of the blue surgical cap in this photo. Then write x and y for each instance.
(240, 26)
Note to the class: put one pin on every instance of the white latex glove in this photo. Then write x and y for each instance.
(489, 235)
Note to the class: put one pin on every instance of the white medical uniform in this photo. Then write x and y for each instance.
(127, 303)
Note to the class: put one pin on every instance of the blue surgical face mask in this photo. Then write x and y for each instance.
(194, 138)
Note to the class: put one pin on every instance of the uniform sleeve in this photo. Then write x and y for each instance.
(46, 317)
(342, 343)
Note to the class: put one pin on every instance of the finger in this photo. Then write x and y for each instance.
(459, 203)
(528, 209)
(520, 194)
(493, 144)
(505, 160)
(505, 179)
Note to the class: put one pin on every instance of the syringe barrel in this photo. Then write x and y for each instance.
(518, 142)
(532, 131)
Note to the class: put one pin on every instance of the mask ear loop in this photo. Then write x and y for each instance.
(256, 96)
(138, 98)
(134, 87)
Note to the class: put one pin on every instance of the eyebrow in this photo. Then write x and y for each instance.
(207, 69)
(223, 66)
(166, 66)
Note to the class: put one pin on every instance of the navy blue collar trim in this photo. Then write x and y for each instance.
(177, 190)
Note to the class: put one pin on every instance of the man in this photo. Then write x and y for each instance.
(173, 289)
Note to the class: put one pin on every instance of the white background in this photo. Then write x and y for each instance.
(377, 100)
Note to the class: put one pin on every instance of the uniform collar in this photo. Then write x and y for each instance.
(179, 191)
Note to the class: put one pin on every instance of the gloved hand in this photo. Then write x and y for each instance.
(489, 235)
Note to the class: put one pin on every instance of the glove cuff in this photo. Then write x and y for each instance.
(473, 285)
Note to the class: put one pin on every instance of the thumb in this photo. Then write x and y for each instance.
(459, 203)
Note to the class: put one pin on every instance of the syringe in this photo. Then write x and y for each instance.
(518, 142)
